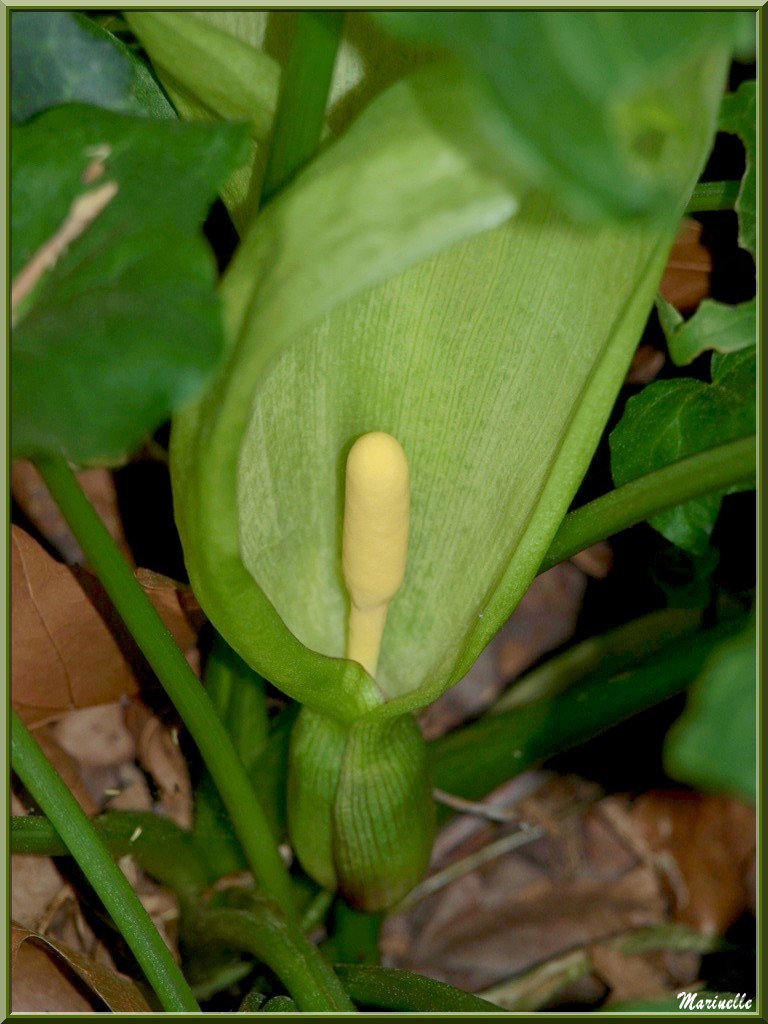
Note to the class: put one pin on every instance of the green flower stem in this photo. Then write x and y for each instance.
(713, 195)
(304, 89)
(178, 679)
(159, 846)
(716, 469)
(601, 656)
(472, 761)
(238, 696)
(264, 932)
(70, 821)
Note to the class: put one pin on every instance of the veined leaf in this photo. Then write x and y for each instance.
(714, 326)
(674, 418)
(211, 75)
(387, 289)
(60, 57)
(117, 319)
(714, 743)
(738, 115)
(585, 103)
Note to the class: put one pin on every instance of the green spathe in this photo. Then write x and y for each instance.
(493, 356)
(399, 285)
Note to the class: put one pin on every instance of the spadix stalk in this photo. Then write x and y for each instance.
(377, 512)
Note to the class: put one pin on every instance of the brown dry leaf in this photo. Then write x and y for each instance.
(68, 768)
(69, 648)
(33, 498)
(629, 976)
(159, 754)
(578, 884)
(35, 882)
(647, 364)
(63, 654)
(42, 979)
(96, 736)
(544, 619)
(177, 607)
(687, 278)
(595, 561)
(704, 847)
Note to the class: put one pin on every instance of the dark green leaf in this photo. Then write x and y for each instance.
(671, 419)
(58, 57)
(738, 115)
(580, 101)
(714, 326)
(125, 325)
(713, 743)
(388, 989)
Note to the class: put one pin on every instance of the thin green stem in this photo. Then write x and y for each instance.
(304, 89)
(474, 760)
(263, 931)
(715, 469)
(713, 195)
(177, 678)
(108, 881)
(159, 846)
(237, 693)
(601, 656)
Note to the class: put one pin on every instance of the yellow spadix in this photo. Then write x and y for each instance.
(377, 512)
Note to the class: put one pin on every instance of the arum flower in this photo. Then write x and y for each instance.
(402, 286)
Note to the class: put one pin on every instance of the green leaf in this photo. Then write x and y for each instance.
(713, 744)
(125, 325)
(585, 104)
(715, 326)
(671, 419)
(59, 57)
(211, 75)
(389, 289)
(384, 988)
(738, 115)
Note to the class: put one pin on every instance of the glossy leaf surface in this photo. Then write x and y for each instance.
(674, 418)
(60, 57)
(714, 326)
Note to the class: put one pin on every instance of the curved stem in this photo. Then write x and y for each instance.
(304, 89)
(159, 846)
(715, 469)
(474, 760)
(110, 884)
(713, 195)
(177, 678)
(264, 933)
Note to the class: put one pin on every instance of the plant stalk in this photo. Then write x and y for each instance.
(159, 846)
(304, 89)
(713, 195)
(179, 681)
(262, 931)
(716, 469)
(73, 826)
(474, 760)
